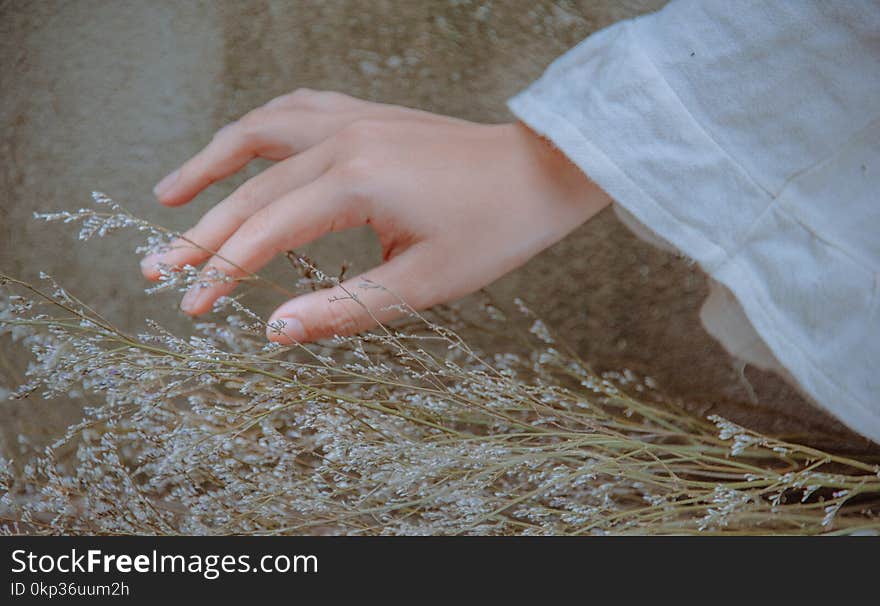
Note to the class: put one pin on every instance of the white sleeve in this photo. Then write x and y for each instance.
(747, 135)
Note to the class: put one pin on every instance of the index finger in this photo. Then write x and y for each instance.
(273, 134)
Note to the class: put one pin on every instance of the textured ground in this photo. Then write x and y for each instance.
(112, 94)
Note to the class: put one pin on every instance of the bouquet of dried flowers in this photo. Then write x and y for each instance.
(404, 430)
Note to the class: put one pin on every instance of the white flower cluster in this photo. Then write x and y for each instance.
(403, 430)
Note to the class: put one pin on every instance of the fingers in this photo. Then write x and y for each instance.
(378, 295)
(198, 243)
(285, 126)
(272, 134)
(292, 221)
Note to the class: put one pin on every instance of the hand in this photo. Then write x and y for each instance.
(455, 204)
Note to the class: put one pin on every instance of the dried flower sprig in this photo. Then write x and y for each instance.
(404, 430)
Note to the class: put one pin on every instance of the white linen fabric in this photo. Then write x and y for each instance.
(747, 136)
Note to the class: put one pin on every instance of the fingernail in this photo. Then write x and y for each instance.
(286, 329)
(165, 185)
(191, 299)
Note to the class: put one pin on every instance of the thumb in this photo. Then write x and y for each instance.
(358, 304)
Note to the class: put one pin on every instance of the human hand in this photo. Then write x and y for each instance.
(455, 204)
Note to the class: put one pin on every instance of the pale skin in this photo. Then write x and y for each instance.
(455, 205)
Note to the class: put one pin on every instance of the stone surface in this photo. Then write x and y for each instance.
(109, 95)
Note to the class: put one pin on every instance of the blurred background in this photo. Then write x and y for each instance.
(110, 95)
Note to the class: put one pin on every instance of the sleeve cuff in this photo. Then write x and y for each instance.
(609, 109)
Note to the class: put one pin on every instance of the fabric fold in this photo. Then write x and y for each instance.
(786, 220)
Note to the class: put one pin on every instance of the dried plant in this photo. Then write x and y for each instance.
(405, 430)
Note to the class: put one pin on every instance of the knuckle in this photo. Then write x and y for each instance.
(357, 167)
(197, 170)
(289, 99)
(301, 94)
(308, 98)
(257, 228)
(359, 134)
(328, 99)
(226, 130)
(355, 171)
(253, 123)
(342, 318)
(186, 244)
(202, 226)
(247, 195)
